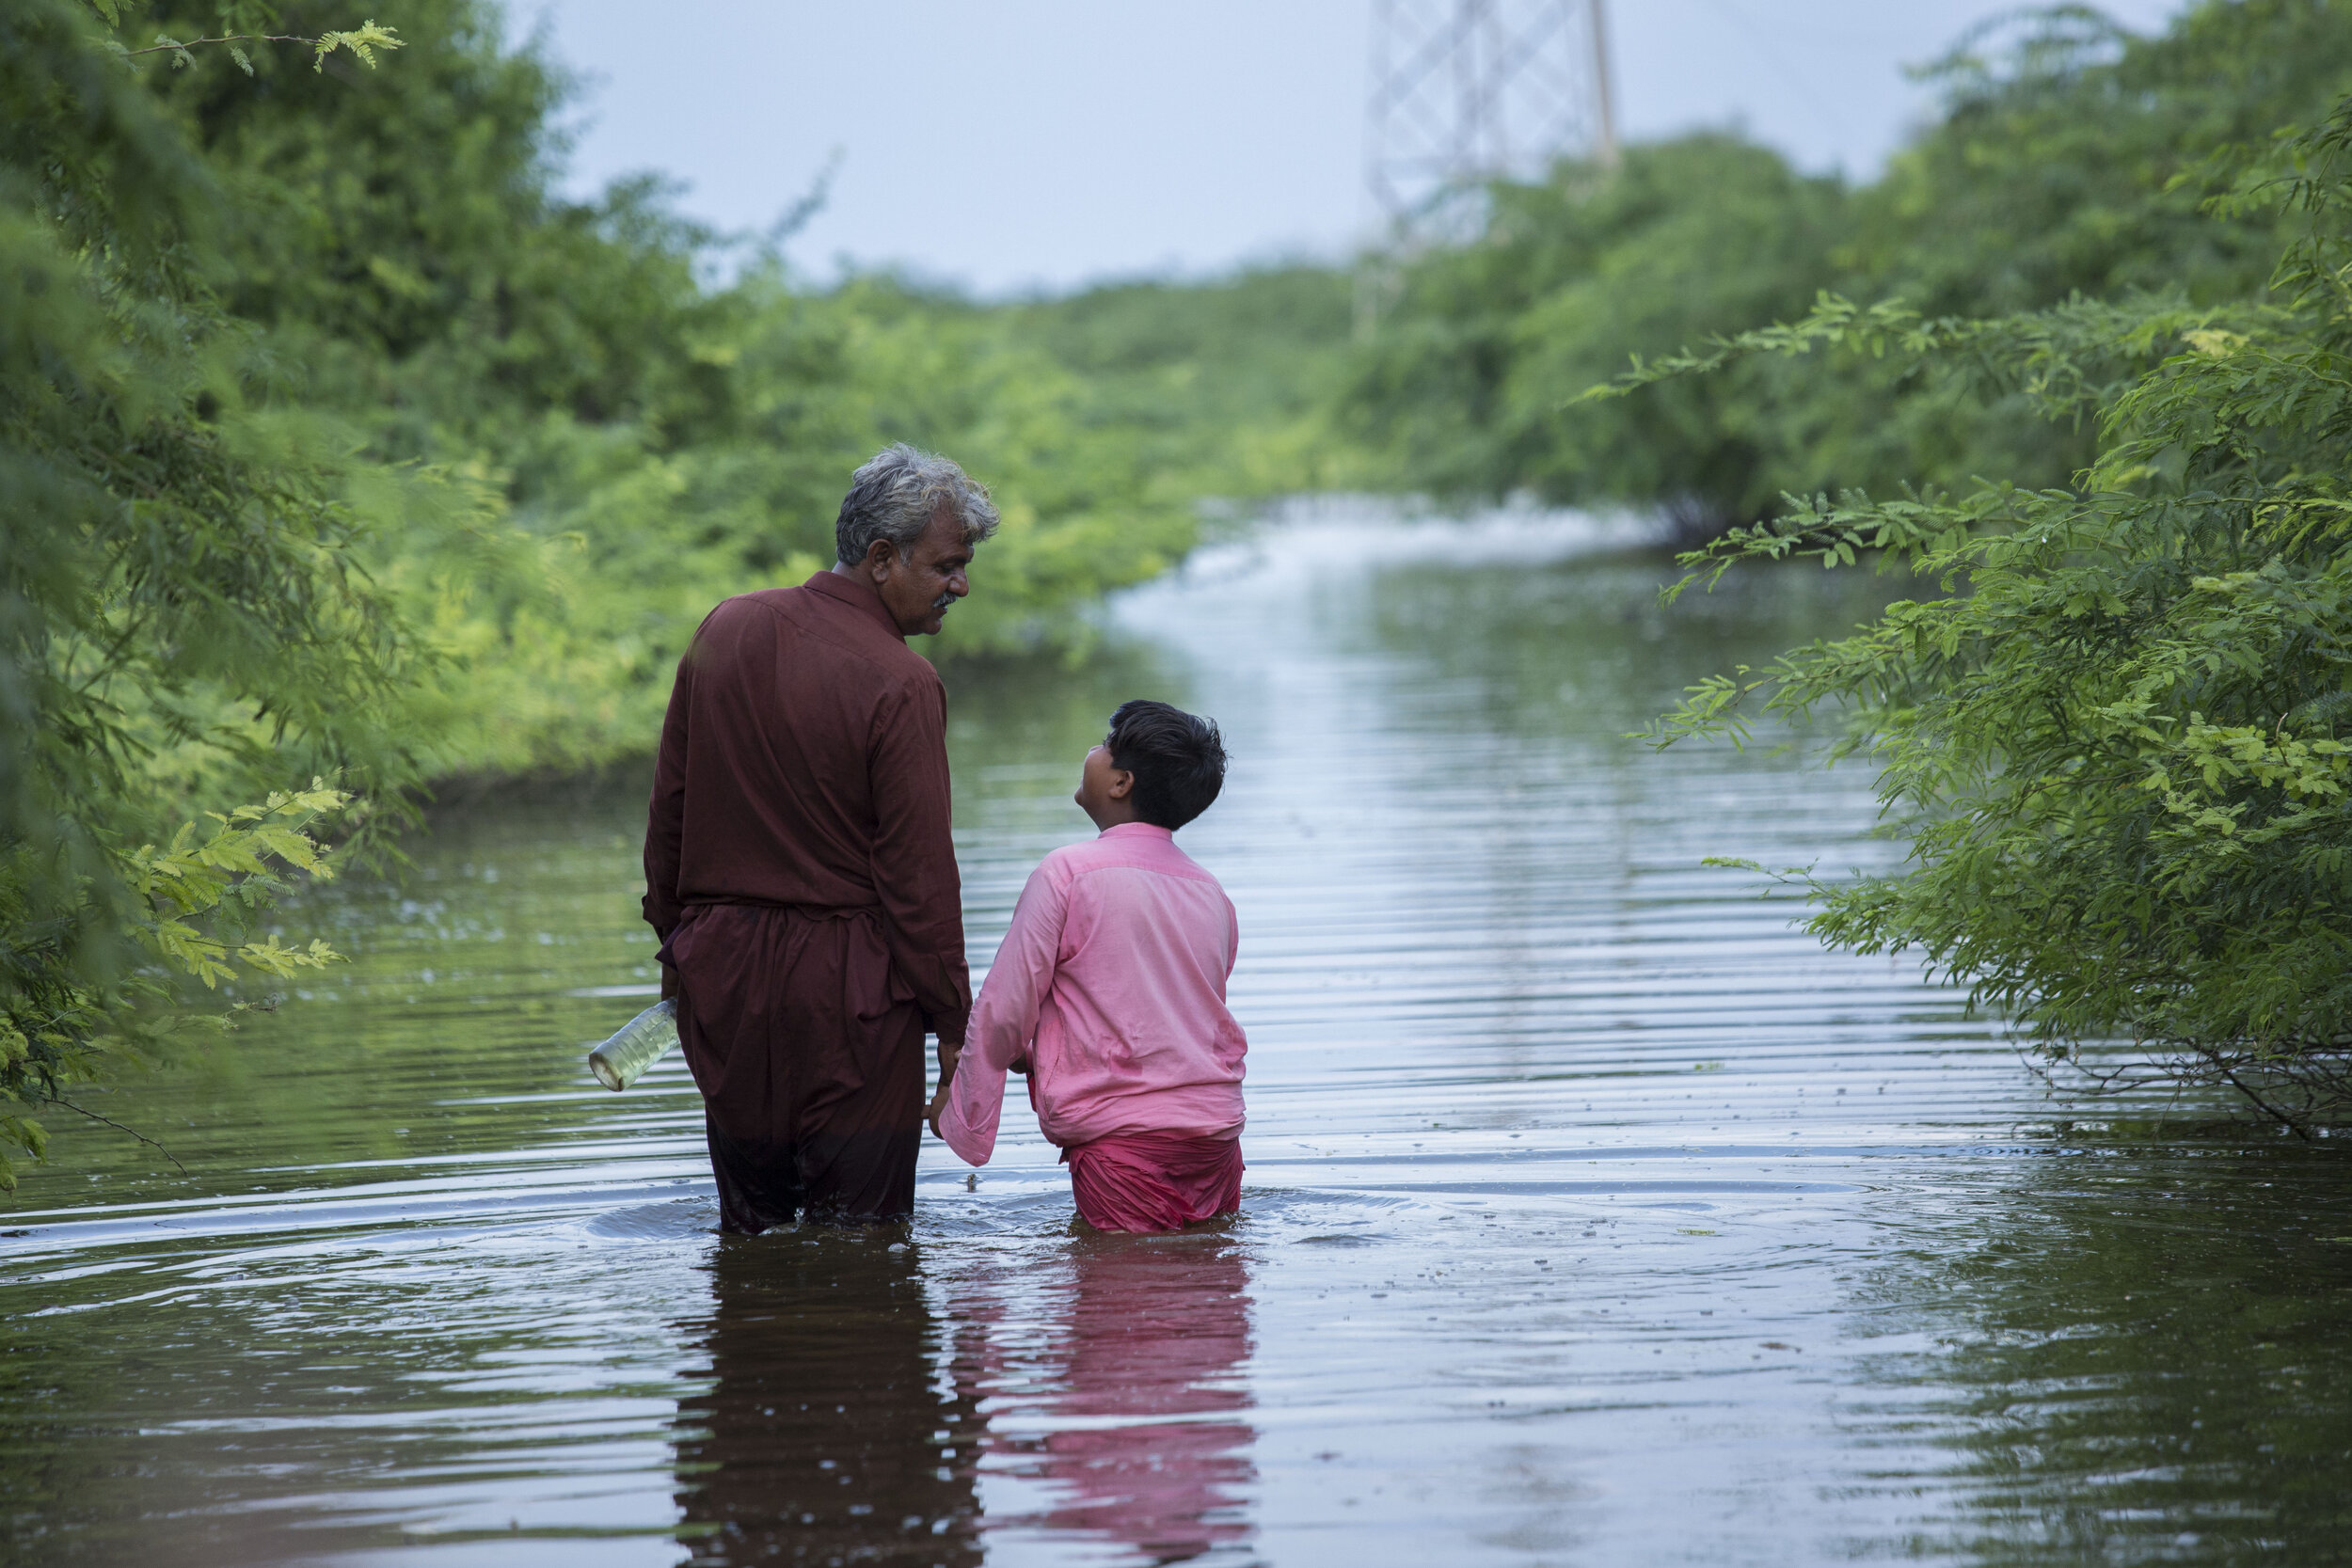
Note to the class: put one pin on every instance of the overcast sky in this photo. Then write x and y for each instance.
(1026, 144)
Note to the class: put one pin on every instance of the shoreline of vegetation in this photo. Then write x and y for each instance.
(339, 446)
(343, 456)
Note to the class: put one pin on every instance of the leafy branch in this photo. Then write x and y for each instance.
(361, 42)
(189, 901)
(1834, 321)
(231, 865)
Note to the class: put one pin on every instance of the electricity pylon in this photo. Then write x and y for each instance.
(1468, 91)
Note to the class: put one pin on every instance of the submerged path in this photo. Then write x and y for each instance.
(1594, 1215)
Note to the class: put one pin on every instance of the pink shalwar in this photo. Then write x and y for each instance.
(1111, 982)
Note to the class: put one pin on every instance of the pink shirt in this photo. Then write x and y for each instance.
(1112, 982)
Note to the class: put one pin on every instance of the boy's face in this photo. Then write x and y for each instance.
(1105, 791)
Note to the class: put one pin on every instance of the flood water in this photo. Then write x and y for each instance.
(1594, 1214)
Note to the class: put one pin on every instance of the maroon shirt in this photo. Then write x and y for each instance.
(805, 762)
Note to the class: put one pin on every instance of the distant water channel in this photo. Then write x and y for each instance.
(1594, 1215)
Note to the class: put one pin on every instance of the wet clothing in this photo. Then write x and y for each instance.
(811, 1070)
(800, 873)
(1111, 983)
(1154, 1180)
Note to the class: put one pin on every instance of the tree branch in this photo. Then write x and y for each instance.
(60, 1099)
(228, 38)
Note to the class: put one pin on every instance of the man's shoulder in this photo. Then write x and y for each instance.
(828, 624)
(757, 610)
(764, 606)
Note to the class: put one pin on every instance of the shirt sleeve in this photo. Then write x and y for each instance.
(665, 816)
(1004, 1020)
(914, 857)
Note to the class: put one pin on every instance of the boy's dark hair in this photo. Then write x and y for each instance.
(1177, 759)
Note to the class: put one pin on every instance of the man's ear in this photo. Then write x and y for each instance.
(1123, 783)
(881, 556)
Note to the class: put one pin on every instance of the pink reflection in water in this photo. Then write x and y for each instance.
(1129, 1357)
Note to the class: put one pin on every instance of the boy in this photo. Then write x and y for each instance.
(1109, 992)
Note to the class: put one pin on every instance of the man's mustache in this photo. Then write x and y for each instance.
(944, 603)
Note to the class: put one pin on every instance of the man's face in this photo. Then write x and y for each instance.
(919, 587)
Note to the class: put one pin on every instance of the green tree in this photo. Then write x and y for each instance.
(2072, 159)
(573, 445)
(182, 617)
(1228, 387)
(1467, 375)
(2117, 739)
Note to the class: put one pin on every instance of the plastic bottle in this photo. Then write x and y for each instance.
(635, 1046)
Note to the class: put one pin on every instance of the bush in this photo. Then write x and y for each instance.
(2117, 738)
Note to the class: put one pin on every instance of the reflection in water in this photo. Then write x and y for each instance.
(1119, 1386)
(2148, 1355)
(825, 1437)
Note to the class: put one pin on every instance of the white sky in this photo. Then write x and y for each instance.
(1023, 144)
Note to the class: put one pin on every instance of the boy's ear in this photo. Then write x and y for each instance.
(1123, 783)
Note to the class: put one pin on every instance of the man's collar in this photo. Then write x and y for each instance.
(855, 591)
(1138, 830)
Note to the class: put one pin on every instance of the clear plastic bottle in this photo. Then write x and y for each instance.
(635, 1046)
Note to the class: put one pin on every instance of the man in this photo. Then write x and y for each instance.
(797, 865)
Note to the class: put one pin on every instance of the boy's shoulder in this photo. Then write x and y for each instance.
(1153, 852)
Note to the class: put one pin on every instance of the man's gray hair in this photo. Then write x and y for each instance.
(895, 496)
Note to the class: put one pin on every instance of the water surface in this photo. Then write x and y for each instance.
(1594, 1214)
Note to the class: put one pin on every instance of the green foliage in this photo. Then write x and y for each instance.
(185, 617)
(1465, 375)
(576, 447)
(2077, 160)
(2072, 159)
(362, 41)
(2120, 739)
(231, 868)
(643, 535)
(189, 911)
(1228, 387)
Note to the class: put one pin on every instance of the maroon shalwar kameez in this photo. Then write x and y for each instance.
(801, 876)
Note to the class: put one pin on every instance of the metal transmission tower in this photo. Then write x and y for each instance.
(1465, 91)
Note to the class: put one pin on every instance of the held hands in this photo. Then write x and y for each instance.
(948, 1055)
